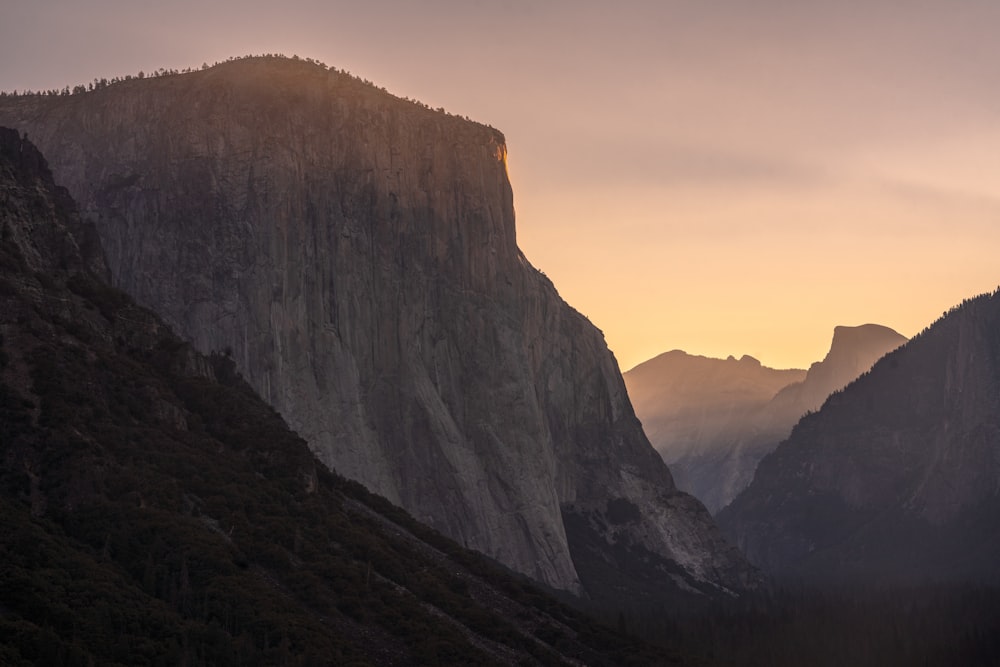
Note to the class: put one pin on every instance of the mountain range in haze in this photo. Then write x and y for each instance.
(712, 420)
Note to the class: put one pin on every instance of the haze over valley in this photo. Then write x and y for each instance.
(713, 420)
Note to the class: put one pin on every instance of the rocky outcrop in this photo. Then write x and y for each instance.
(897, 477)
(355, 254)
(713, 420)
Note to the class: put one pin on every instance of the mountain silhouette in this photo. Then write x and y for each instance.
(712, 420)
(896, 478)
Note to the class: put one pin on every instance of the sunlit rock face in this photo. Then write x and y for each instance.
(713, 420)
(355, 253)
(898, 476)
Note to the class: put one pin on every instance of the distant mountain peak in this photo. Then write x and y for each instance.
(853, 351)
(713, 419)
(864, 334)
(896, 476)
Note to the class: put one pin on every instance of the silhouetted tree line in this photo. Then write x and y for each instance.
(101, 83)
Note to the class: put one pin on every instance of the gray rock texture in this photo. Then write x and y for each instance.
(895, 478)
(355, 253)
(713, 420)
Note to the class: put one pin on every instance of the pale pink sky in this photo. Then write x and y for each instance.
(723, 177)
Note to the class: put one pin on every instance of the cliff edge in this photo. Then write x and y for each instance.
(355, 254)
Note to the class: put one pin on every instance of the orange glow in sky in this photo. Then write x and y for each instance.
(722, 178)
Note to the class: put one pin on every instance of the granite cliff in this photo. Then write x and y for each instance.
(154, 510)
(712, 420)
(897, 477)
(355, 254)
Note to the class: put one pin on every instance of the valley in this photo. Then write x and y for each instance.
(278, 386)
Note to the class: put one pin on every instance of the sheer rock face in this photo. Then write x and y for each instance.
(356, 255)
(898, 476)
(713, 420)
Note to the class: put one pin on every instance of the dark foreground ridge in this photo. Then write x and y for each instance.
(156, 512)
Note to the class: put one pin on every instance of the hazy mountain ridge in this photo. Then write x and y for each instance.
(699, 413)
(684, 400)
(712, 420)
(897, 477)
(156, 511)
(356, 254)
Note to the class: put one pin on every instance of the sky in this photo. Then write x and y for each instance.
(717, 176)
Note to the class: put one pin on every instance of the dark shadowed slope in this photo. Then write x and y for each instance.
(154, 511)
(356, 254)
(712, 420)
(896, 478)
